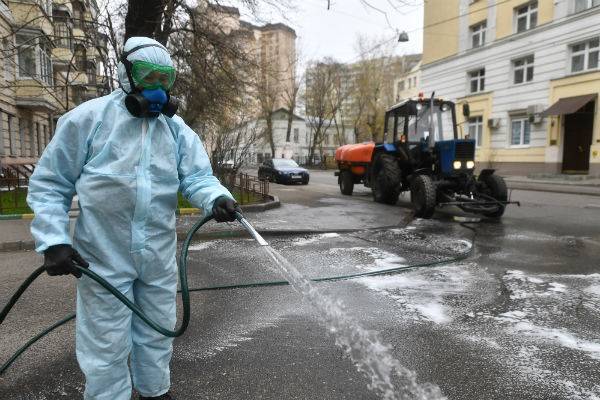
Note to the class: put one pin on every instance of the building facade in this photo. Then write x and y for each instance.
(406, 86)
(273, 47)
(529, 71)
(300, 141)
(53, 60)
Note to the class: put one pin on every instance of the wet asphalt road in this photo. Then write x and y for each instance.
(518, 319)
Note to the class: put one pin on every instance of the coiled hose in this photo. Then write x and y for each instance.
(185, 290)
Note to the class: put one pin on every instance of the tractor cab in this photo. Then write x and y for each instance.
(425, 131)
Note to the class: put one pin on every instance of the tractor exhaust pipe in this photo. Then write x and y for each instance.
(431, 124)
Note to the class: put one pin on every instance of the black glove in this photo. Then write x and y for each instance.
(224, 209)
(61, 259)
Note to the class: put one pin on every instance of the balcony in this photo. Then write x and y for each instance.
(33, 95)
(32, 16)
(61, 58)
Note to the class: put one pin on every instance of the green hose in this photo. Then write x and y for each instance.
(185, 291)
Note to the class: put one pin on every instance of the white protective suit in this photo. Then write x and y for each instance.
(126, 172)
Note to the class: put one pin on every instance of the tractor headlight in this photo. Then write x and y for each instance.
(457, 165)
(470, 164)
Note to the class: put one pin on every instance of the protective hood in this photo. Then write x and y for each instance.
(153, 54)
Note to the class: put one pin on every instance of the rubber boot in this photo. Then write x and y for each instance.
(165, 396)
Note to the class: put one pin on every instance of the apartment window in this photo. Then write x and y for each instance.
(477, 81)
(63, 33)
(26, 50)
(45, 63)
(80, 58)
(478, 35)
(34, 60)
(46, 139)
(584, 55)
(91, 72)
(523, 70)
(476, 130)
(520, 132)
(77, 15)
(401, 86)
(415, 81)
(296, 135)
(581, 5)
(526, 16)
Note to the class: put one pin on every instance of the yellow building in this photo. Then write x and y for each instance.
(529, 71)
(53, 55)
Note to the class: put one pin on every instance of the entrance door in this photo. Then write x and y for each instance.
(579, 128)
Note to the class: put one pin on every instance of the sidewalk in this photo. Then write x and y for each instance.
(570, 184)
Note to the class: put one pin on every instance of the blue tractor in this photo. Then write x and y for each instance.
(422, 153)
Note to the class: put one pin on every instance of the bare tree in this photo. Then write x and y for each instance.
(322, 79)
(291, 92)
(373, 87)
(230, 144)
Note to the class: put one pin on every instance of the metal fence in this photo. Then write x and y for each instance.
(249, 188)
(14, 181)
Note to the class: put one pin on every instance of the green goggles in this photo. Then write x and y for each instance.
(152, 76)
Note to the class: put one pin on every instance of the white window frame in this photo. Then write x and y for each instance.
(532, 8)
(587, 4)
(477, 124)
(478, 32)
(523, 120)
(528, 63)
(586, 55)
(479, 76)
(43, 61)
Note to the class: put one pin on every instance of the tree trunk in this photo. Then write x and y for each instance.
(270, 135)
(290, 121)
(144, 18)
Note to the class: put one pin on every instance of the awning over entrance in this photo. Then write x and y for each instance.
(568, 105)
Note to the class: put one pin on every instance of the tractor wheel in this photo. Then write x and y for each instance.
(496, 187)
(387, 179)
(346, 183)
(423, 196)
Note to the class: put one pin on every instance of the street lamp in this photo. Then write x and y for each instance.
(403, 37)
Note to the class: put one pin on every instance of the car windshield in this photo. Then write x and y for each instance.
(419, 125)
(284, 163)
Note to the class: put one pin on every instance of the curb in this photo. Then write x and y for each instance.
(17, 246)
(543, 187)
(30, 244)
(269, 205)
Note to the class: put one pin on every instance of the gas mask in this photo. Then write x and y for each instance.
(150, 84)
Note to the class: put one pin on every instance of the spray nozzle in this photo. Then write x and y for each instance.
(261, 241)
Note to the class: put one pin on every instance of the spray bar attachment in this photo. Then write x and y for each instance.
(261, 241)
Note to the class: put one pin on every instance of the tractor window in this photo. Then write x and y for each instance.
(389, 128)
(420, 125)
(416, 129)
(444, 129)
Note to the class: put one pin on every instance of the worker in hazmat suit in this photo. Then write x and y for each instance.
(126, 155)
